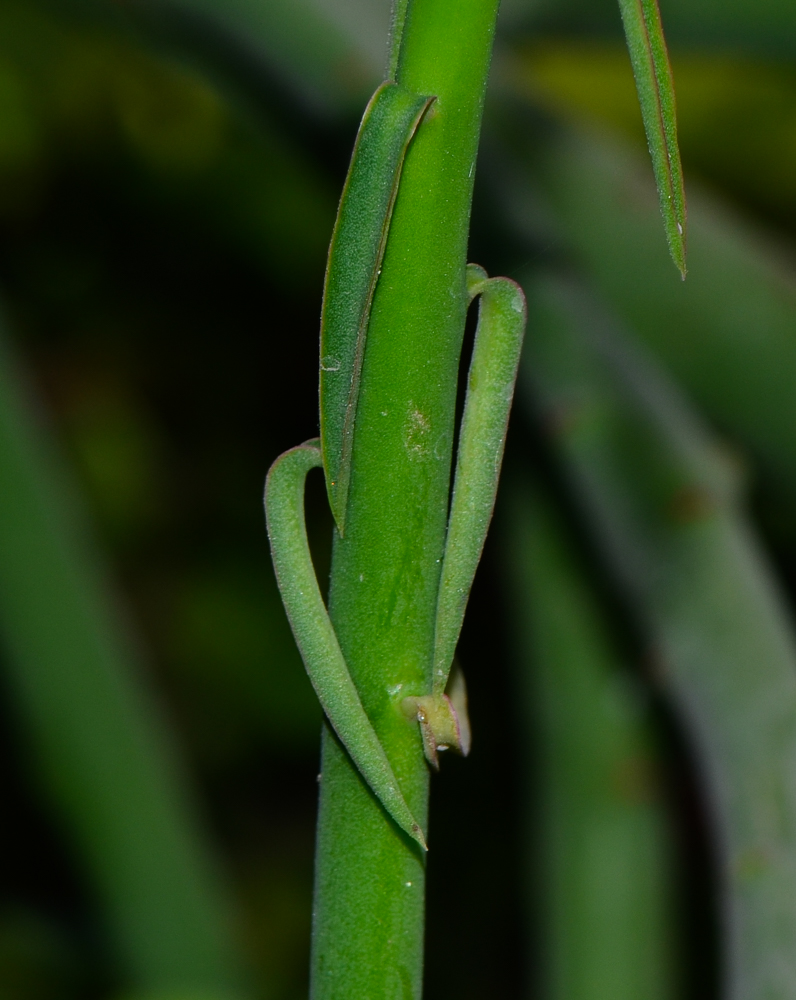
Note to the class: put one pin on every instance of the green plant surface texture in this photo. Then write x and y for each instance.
(355, 256)
(602, 866)
(727, 333)
(664, 506)
(369, 894)
(101, 747)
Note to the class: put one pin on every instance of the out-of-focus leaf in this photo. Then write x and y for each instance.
(331, 53)
(664, 506)
(728, 333)
(602, 859)
(103, 749)
(38, 960)
(79, 98)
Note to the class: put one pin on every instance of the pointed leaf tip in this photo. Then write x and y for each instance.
(655, 85)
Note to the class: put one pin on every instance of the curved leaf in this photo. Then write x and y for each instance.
(358, 241)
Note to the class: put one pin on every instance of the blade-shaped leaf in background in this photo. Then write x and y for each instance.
(104, 753)
(662, 501)
(647, 47)
(602, 863)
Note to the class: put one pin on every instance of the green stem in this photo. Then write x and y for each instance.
(368, 930)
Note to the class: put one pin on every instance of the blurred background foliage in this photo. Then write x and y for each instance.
(168, 181)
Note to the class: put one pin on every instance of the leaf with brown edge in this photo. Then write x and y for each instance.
(653, 73)
(357, 248)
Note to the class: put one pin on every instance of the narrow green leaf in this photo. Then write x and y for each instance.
(358, 241)
(490, 390)
(653, 73)
(315, 635)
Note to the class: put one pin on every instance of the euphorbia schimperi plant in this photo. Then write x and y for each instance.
(397, 291)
